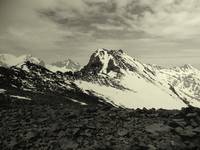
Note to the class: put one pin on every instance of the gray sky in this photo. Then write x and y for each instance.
(162, 32)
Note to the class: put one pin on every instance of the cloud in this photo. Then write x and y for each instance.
(172, 19)
(92, 17)
(23, 31)
(178, 19)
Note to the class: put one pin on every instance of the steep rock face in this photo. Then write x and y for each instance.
(108, 67)
(104, 61)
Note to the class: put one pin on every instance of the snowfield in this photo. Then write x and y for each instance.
(143, 95)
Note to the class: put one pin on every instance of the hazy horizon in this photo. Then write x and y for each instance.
(87, 60)
(156, 32)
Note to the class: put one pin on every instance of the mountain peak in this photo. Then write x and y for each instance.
(104, 61)
(187, 66)
(64, 66)
(102, 51)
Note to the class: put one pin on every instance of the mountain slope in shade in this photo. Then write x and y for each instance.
(64, 66)
(38, 85)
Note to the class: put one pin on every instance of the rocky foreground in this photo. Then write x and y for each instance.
(103, 128)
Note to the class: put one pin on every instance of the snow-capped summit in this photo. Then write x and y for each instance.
(64, 66)
(147, 84)
(187, 66)
(104, 61)
(8, 60)
(140, 87)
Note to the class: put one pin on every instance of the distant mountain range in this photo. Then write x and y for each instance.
(8, 60)
(111, 77)
(64, 66)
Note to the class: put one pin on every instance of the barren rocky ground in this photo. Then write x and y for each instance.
(62, 127)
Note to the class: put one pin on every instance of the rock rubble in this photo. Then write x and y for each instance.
(103, 128)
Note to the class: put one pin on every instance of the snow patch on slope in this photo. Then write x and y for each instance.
(76, 101)
(20, 97)
(2, 90)
(144, 95)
